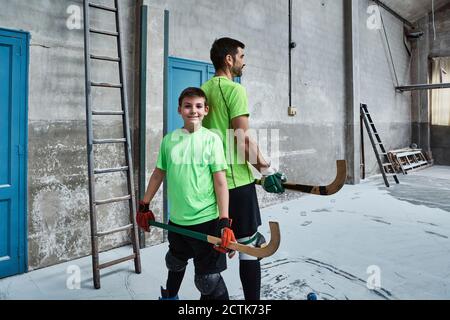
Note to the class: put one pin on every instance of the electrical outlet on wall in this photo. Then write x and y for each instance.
(292, 111)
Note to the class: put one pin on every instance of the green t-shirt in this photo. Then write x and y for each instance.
(189, 160)
(218, 90)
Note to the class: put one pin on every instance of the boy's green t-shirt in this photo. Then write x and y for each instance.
(218, 90)
(189, 160)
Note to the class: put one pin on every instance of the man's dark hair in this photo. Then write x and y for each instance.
(191, 92)
(223, 47)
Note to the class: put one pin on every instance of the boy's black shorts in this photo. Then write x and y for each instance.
(207, 260)
(244, 210)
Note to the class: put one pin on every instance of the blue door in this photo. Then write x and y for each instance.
(182, 74)
(13, 134)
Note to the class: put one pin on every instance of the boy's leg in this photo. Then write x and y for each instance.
(211, 287)
(177, 268)
(209, 263)
(176, 262)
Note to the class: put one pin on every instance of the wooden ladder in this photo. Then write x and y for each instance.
(92, 142)
(384, 163)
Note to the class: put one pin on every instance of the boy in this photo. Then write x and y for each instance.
(193, 161)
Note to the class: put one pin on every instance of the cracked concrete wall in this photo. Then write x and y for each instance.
(58, 205)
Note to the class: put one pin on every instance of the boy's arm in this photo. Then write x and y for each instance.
(222, 196)
(155, 182)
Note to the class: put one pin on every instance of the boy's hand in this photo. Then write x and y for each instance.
(227, 236)
(272, 181)
(144, 215)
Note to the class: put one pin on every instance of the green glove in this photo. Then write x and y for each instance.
(274, 183)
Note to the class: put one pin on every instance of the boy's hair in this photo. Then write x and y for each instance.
(191, 92)
(223, 47)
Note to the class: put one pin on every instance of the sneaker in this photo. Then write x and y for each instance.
(165, 295)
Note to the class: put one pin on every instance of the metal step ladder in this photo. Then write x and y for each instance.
(386, 167)
(91, 143)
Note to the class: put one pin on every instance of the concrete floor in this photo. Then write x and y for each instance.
(366, 242)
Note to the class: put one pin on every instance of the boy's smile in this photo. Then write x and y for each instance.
(193, 110)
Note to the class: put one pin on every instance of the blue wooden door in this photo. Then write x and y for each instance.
(13, 123)
(184, 73)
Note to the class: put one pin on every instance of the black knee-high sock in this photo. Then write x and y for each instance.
(250, 272)
(173, 284)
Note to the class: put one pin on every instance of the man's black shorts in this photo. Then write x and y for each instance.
(207, 260)
(244, 210)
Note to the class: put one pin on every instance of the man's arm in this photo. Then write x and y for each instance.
(155, 182)
(222, 196)
(246, 143)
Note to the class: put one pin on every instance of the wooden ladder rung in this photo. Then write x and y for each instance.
(120, 229)
(111, 263)
(112, 200)
(102, 7)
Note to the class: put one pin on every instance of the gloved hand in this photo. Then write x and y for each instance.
(272, 181)
(227, 236)
(144, 215)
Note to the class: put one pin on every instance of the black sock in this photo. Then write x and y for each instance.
(250, 272)
(174, 280)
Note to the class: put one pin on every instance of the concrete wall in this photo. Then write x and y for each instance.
(309, 143)
(430, 138)
(390, 110)
(58, 206)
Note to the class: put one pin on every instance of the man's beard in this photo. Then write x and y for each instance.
(237, 72)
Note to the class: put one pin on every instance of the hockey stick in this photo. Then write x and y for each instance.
(265, 251)
(332, 188)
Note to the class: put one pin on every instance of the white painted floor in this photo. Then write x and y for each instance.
(396, 239)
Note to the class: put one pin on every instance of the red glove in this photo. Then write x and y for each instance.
(144, 215)
(227, 236)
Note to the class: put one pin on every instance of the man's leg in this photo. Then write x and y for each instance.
(250, 268)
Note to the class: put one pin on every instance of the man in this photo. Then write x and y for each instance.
(229, 113)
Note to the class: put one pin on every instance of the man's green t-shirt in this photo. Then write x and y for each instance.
(228, 100)
(190, 160)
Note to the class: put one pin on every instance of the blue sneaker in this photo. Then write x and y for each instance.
(311, 296)
(165, 295)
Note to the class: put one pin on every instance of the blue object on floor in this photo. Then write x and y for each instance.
(311, 296)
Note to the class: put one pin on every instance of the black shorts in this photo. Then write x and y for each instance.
(207, 260)
(244, 210)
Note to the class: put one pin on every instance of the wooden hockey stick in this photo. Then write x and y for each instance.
(265, 251)
(332, 188)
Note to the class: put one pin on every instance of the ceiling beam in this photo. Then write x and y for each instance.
(424, 87)
(394, 13)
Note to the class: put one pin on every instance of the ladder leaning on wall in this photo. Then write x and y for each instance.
(92, 142)
(384, 163)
